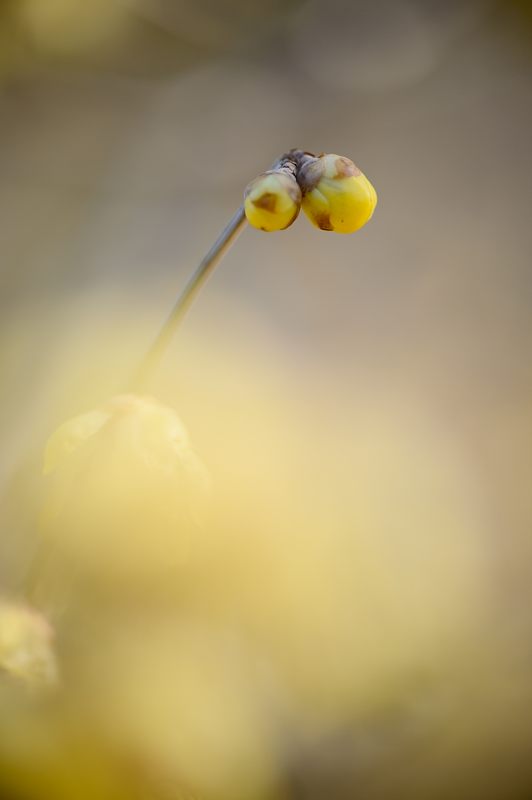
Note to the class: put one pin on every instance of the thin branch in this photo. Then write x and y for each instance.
(160, 344)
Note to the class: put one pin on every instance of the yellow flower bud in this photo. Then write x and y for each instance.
(272, 201)
(337, 196)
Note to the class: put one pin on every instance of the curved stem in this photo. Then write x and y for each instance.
(160, 344)
(288, 162)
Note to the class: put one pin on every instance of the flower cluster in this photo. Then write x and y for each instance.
(332, 191)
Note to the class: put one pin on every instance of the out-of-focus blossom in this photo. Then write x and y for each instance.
(126, 490)
(26, 645)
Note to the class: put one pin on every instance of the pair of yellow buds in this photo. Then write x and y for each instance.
(333, 192)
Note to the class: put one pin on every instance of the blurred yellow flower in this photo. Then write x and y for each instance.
(126, 490)
(26, 645)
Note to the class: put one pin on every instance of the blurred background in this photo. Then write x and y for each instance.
(349, 613)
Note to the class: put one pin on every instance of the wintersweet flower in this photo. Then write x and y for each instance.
(272, 201)
(337, 196)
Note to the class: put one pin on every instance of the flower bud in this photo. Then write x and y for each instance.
(337, 196)
(272, 201)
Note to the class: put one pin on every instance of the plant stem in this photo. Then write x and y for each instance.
(156, 352)
(287, 163)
